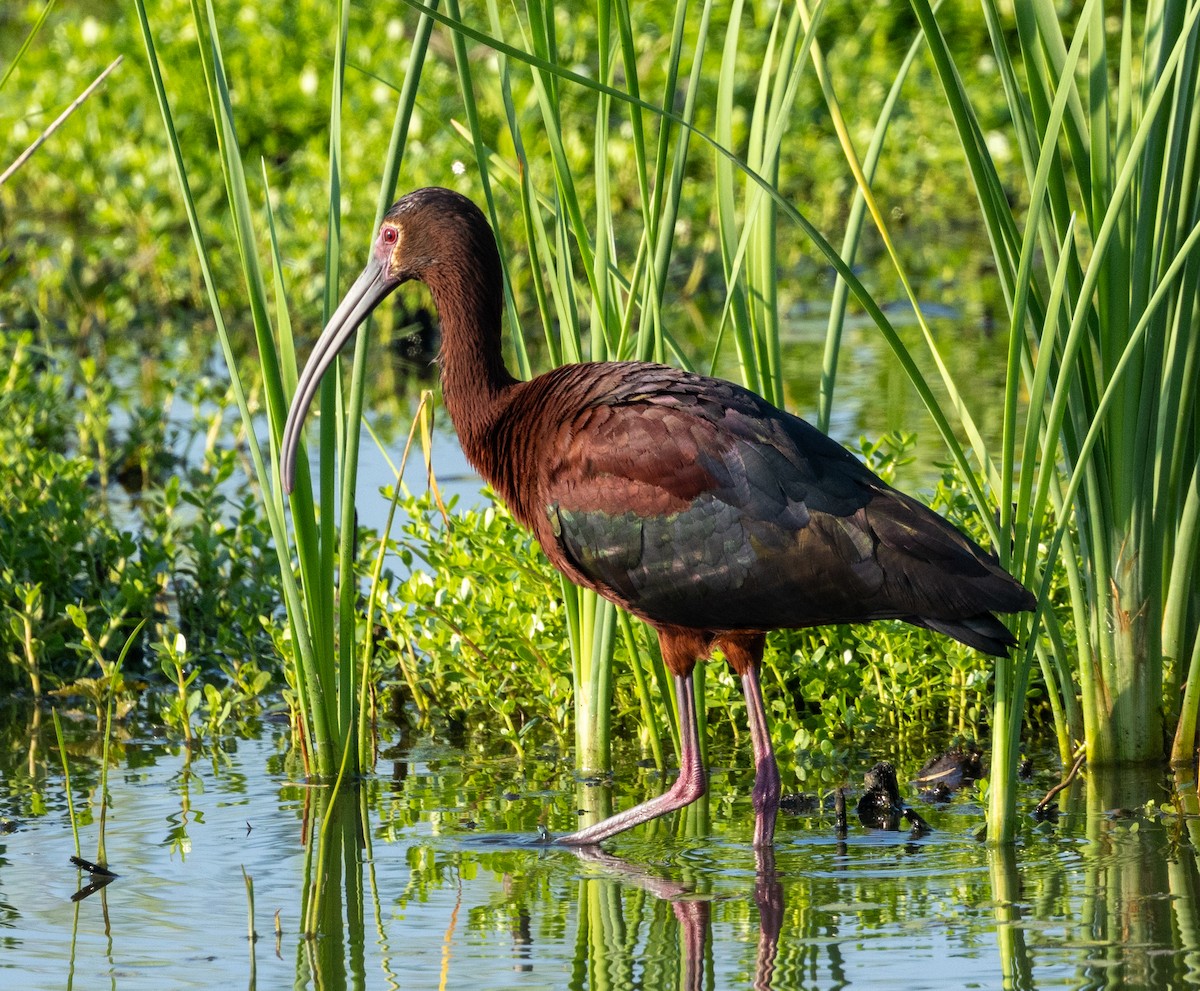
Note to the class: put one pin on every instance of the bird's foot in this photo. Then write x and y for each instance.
(765, 797)
(688, 787)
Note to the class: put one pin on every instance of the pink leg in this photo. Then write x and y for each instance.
(687, 788)
(766, 774)
(744, 653)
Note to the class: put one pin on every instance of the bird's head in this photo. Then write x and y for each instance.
(435, 235)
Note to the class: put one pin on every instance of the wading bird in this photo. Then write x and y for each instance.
(689, 501)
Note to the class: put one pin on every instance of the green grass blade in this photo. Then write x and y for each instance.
(854, 228)
(16, 59)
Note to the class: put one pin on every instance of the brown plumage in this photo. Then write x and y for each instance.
(689, 501)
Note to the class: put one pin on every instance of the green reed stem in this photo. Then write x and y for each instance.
(62, 753)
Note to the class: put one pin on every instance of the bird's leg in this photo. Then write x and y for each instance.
(680, 650)
(744, 652)
(768, 894)
(695, 926)
(766, 775)
(687, 788)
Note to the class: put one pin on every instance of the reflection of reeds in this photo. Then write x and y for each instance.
(333, 897)
(1127, 873)
(1007, 896)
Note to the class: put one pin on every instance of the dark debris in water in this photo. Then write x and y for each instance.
(100, 876)
(943, 775)
(98, 870)
(881, 806)
(798, 803)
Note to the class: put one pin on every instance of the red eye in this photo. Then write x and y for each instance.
(389, 235)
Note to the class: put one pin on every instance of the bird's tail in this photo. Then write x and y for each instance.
(983, 632)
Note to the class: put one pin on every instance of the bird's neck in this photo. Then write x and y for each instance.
(474, 379)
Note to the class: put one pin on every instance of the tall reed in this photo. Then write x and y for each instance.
(1098, 466)
(609, 304)
(326, 658)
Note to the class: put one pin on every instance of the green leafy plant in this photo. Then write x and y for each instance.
(24, 618)
(477, 624)
(60, 546)
(171, 659)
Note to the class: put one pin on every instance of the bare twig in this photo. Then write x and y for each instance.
(1071, 775)
(24, 156)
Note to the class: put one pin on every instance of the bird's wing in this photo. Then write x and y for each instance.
(693, 501)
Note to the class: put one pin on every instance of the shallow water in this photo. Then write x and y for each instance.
(447, 886)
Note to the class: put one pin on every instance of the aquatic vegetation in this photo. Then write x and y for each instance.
(214, 559)
(1100, 437)
(84, 563)
(60, 547)
(99, 286)
(93, 244)
(477, 625)
(470, 626)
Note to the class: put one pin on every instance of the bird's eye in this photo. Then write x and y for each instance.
(389, 235)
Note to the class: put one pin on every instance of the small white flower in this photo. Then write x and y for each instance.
(998, 146)
(308, 81)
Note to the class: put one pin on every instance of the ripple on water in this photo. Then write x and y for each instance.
(450, 886)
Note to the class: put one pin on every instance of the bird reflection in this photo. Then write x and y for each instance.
(694, 912)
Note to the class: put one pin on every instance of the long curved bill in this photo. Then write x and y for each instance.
(368, 291)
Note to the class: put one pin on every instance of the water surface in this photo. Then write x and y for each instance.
(435, 879)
